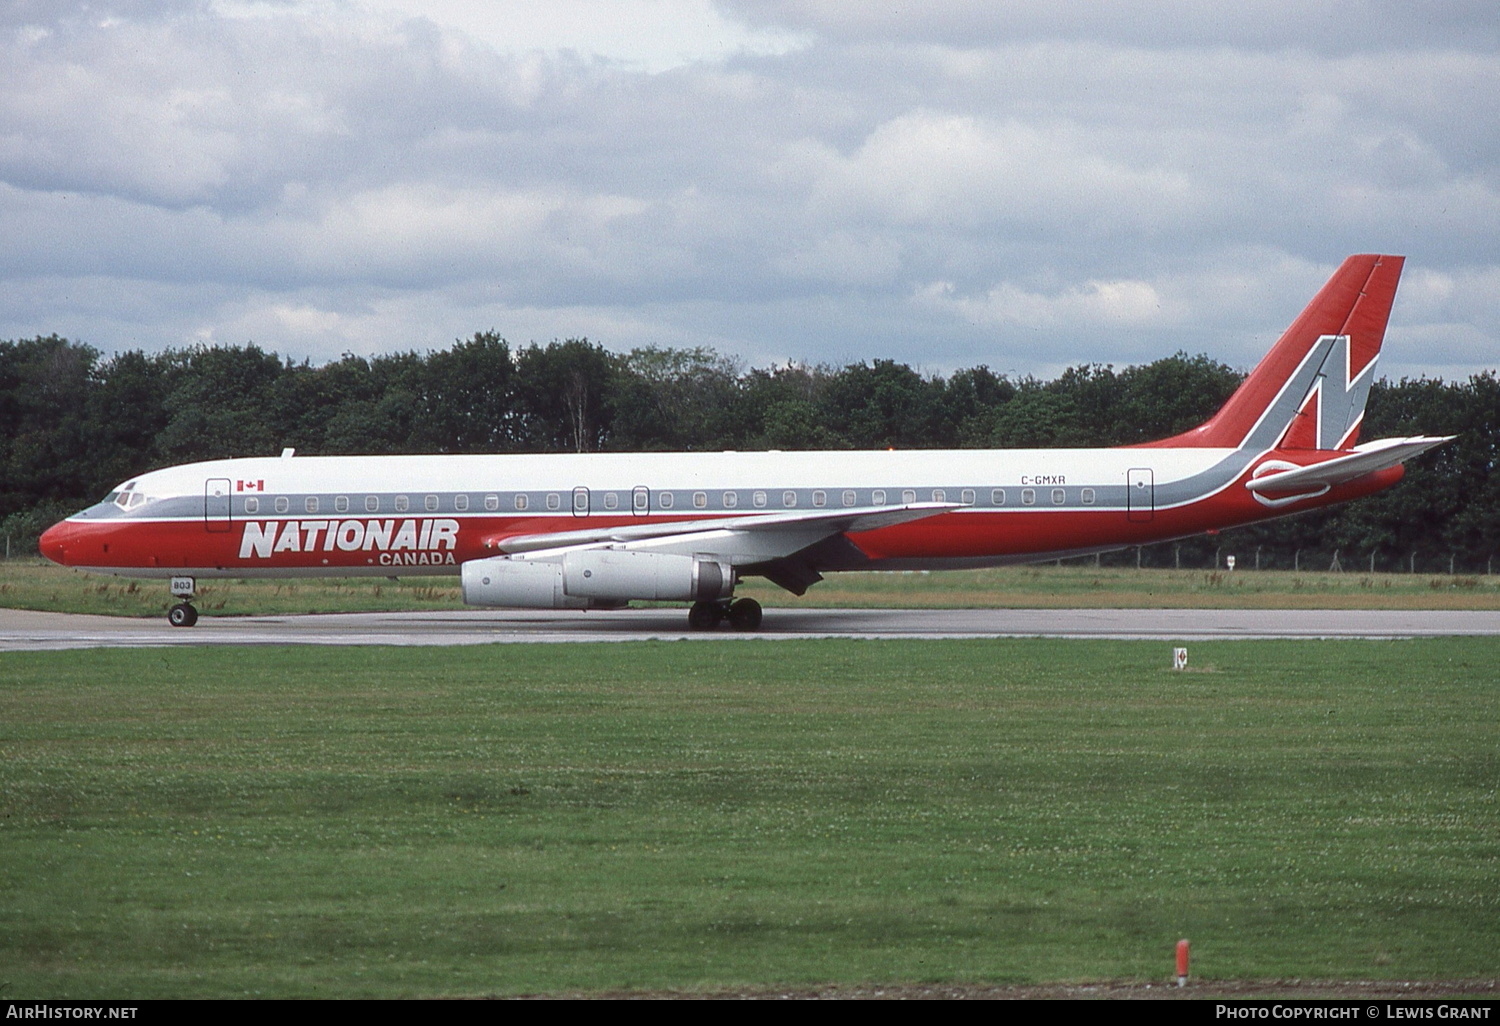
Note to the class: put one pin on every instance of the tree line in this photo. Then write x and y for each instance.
(73, 423)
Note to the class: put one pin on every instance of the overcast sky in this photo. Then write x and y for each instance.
(948, 184)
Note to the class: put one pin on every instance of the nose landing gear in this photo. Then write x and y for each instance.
(183, 614)
(741, 615)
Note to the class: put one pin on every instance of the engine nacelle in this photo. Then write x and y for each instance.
(516, 584)
(594, 577)
(617, 576)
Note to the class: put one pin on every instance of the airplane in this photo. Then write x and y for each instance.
(591, 531)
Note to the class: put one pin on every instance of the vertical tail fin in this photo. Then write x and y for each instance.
(1309, 391)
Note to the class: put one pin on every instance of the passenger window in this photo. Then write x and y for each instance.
(310, 504)
(1059, 496)
(939, 495)
(877, 497)
(820, 498)
(966, 496)
(731, 500)
(554, 501)
(282, 504)
(520, 500)
(492, 502)
(849, 497)
(611, 500)
(700, 500)
(908, 495)
(252, 505)
(402, 504)
(758, 499)
(997, 496)
(1087, 495)
(372, 504)
(789, 499)
(461, 503)
(341, 504)
(431, 502)
(665, 500)
(1028, 496)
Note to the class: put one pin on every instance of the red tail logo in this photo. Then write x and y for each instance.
(1310, 390)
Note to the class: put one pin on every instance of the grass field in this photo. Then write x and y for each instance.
(1074, 587)
(36, 584)
(514, 819)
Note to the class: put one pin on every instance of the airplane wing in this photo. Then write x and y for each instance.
(1362, 460)
(755, 538)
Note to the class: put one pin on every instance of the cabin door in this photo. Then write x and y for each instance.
(216, 504)
(1141, 494)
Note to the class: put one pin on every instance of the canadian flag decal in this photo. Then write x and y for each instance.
(249, 486)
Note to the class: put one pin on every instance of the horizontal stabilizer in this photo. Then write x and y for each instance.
(1362, 460)
(825, 522)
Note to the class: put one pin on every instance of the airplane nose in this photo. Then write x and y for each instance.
(53, 542)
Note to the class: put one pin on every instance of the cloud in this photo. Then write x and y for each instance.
(937, 169)
(844, 258)
(1332, 26)
(649, 35)
(1115, 303)
(1003, 183)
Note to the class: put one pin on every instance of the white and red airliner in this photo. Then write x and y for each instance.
(598, 530)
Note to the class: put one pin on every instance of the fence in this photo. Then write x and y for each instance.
(1196, 555)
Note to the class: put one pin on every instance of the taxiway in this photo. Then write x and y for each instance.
(31, 631)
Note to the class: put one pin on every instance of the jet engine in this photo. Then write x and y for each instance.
(594, 578)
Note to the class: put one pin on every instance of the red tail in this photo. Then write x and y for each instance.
(1303, 403)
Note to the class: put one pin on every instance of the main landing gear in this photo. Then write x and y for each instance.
(741, 614)
(183, 614)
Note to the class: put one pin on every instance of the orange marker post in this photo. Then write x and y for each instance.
(1182, 962)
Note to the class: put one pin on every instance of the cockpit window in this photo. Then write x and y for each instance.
(127, 497)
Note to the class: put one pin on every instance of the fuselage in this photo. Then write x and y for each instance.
(601, 530)
(407, 515)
